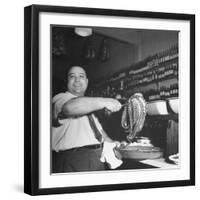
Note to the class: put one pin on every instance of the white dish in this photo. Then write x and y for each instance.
(157, 108)
(174, 104)
(174, 158)
(139, 152)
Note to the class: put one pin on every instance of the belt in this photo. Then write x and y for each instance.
(87, 147)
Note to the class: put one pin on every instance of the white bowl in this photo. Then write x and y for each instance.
(174, 104)
(174, 158)
(157, 108)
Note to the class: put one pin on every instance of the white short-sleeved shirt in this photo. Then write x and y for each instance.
(73, 132)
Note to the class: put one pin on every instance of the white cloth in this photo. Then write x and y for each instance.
(108, 155)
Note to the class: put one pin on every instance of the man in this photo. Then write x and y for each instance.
(75, 144)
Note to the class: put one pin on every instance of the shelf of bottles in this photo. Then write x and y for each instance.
(161, 67)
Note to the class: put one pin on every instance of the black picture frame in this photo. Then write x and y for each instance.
(31, 98)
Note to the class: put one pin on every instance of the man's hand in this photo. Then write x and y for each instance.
(112, 105)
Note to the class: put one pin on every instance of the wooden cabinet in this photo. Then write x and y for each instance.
(172, 138)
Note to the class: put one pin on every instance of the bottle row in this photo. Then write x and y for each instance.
(162, 93)
(165, 92)
(156, 60)
(167, 71)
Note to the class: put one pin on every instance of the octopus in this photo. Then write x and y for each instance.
(133, 115)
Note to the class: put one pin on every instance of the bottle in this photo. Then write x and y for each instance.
(175, 67)
(162, 97)
(176, 90)
(168, 92)
(157, 94)
(172, 90)
(164, 92)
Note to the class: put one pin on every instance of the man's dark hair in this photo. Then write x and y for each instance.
(75, 65)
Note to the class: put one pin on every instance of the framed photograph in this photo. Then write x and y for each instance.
(109, 99)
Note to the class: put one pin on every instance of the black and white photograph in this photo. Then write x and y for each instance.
(109, 95)
(115, 99)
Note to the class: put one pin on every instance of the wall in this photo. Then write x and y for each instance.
(156, 41)
(122, 55)
(11, 101)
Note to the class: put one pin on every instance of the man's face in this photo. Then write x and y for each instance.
(77, 81)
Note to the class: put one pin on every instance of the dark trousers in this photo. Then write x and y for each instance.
(77, 160)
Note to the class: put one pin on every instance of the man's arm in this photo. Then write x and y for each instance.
(83, 105)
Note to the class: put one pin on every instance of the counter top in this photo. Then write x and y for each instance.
(147, 164)
(160, 163)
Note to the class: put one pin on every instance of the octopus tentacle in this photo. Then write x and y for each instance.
(133, 116)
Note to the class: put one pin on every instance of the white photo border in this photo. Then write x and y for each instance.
(46, 180)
